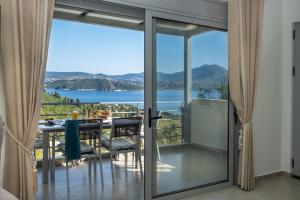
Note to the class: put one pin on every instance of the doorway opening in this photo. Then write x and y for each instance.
(96, 72)
(94, 75)
(193, 61)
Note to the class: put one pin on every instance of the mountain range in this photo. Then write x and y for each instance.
(205, 77)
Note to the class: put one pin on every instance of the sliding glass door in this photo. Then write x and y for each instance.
(187, 108)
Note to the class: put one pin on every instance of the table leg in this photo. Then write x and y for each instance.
(53, 159)
(136, 159)
(45, 157)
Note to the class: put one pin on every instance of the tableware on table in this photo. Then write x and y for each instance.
(75, 115)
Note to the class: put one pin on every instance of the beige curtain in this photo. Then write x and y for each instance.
(25, 30)
(245, 30)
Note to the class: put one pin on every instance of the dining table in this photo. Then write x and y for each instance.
(57, 126)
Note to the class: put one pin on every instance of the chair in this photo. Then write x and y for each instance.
(158, 113)
(90, 132)
(38, 144)
(125, 137)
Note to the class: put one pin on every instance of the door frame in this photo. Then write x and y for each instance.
(150, 52)
(293, 101)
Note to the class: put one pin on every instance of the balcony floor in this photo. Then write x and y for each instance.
(180, 167)
(86, 184)
(189, 166)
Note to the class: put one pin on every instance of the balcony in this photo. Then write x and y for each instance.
(205, 146)
(169, 127)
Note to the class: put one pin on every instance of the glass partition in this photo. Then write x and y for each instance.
(191, 138)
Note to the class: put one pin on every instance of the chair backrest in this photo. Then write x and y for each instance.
(90, 129)
(130, 126)
(158, 114)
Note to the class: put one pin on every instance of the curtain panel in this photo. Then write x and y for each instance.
(25, 30)
(245, 19)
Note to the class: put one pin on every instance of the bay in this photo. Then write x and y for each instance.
(167, 100)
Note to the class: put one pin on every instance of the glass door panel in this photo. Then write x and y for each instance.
(190, 94)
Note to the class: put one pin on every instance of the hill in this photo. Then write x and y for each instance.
(67, 75)
(95, 84)
(205, 77)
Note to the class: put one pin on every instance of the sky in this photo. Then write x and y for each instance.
(90, 48)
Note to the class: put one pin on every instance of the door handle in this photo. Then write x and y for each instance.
(155, 118)
(151, 118)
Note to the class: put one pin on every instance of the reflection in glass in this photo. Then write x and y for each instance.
(192, 136)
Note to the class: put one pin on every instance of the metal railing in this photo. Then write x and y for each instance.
(138, 110)
(136, 104)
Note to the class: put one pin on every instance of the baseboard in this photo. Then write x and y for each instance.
(172, 146)
(295, 176)
(210, 148)
(202, 146)
(272, 174)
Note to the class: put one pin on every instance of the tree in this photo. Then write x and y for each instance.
(56, 95)
(223, 90)
(203, 93)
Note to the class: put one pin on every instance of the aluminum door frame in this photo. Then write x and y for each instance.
(295, 162)
(150, 52)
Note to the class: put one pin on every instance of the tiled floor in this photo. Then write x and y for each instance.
(179, 168)
(275, 188)
(129, 184)
(86, 184)
(189, 166)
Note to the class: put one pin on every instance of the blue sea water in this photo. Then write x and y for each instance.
(167, 100)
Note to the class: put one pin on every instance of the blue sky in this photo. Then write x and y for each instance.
(101, 49)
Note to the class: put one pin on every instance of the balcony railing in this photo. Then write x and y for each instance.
(169, 128)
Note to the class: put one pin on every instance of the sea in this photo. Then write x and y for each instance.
(167, 100)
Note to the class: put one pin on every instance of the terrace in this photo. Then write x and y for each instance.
(175, 144)
(169, 127)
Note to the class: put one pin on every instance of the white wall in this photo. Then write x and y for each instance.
(209, 123)
(273, 110)
(291, 14)
(267, 111)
